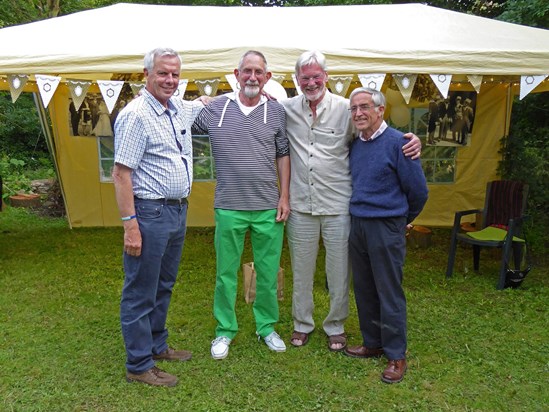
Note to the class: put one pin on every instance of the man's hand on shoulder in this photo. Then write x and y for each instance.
(413, 147)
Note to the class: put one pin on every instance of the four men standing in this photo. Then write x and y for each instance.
(153, 175)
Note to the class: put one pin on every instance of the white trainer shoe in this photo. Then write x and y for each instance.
(220, 347)
(274, 342)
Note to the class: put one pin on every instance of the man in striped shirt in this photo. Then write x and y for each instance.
(152, 180)
(250, 148)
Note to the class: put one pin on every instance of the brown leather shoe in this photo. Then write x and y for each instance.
(154, 377)
(363, 352)
(171, 354)
(395, 370)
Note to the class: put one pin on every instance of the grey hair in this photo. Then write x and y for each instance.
(310, 57)
(148, 61)
(377, 97)
(254, 53)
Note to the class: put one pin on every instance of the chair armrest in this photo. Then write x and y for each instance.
(468, 212)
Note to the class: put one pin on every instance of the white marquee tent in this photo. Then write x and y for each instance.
(106, 43)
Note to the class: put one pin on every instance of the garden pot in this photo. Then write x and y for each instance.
(25, 200)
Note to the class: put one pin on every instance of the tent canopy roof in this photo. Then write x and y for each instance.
(408, 38)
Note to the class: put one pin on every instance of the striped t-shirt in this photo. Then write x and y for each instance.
(245, 148)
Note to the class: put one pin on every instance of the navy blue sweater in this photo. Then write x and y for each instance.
(385, 182)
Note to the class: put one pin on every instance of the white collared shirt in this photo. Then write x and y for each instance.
(376, 134)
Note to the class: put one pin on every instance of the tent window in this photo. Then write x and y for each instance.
(438, 162)
(204, 168)
(203, 163)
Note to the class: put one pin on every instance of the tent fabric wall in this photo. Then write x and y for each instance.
(92, 203)
(409, 38)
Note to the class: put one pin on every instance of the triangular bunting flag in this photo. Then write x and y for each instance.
(340, 84)
(529, 83)
(372, 80)
(296, 84)
(47, 85)
(475, 80)
(17, 83)
(405, 83)
(180, 92)
(442, 81)
(110, 90)
(279, 78)
(136, 88)
(207, 87)
(231, 79)
(78, 89)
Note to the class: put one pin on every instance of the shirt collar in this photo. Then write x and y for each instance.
(156, 105)
(376, 134)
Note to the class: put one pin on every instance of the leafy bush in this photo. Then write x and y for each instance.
(525, 157)
(20, 131)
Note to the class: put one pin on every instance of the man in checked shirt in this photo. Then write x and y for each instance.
(152, 178)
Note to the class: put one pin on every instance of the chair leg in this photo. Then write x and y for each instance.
(476, 257)
(451, 256)
(517, 254)
(505, 255)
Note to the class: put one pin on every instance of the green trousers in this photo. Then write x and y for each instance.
(266, 237)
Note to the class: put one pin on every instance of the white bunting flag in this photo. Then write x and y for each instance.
(442, 81)
(207, 87)
(340, 84)
(231, 79)
(17, 83)
(296, 84)
(110, 90)
(529, 83)
(372, 80)
(279, 78)
(180, 92)
(475, 80)
(405, 83)
(47, 85)
(78, 89)
(136, 88)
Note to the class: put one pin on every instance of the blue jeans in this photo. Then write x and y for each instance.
(149, 279)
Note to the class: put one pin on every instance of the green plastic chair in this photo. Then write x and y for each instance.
(502, 222)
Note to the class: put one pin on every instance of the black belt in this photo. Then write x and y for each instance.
(171, 202)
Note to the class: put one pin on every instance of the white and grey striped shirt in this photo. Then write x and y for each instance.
(245, 148)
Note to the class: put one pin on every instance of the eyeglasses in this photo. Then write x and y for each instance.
(362, 107)
(315, 78)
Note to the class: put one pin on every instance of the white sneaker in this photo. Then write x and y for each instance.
(220, 347)
(274, 342)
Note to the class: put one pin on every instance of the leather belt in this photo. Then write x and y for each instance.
(171, 202)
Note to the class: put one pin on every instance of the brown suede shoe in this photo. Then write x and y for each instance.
(171, 354)
(394, 372)
(363, 352)
(154, 376)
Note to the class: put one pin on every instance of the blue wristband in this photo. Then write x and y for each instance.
(124, 219)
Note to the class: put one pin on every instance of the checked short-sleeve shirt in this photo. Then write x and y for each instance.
(156, 143)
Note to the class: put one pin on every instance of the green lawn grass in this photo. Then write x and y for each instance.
(471, 347)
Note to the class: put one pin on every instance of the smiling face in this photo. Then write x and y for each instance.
(365, 115)
(312, 82)
(252, 75)
(163, 79)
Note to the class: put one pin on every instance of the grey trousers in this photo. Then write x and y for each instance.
(304, 231)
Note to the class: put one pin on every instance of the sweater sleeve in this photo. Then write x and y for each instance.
(413, 184)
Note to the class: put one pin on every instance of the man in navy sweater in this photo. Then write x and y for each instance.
(388, 192)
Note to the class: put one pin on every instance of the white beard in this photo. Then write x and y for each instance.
(251, 91)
